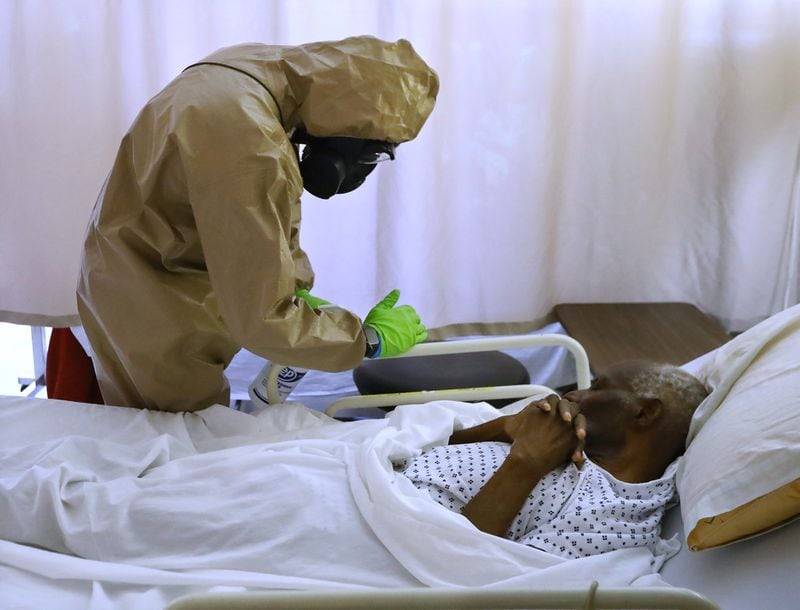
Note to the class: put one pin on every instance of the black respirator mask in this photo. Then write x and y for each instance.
(338, 165)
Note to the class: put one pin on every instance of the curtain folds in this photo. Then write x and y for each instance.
(580, 151)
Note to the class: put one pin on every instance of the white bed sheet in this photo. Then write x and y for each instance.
(168, 504)
(761, 572)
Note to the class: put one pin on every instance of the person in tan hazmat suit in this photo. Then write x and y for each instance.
(192, 251)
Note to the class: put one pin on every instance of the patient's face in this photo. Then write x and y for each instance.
(608, 403)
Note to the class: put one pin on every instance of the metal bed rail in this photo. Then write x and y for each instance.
(463, 394)
(590, 598)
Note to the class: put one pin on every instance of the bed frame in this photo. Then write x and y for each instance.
(433, 598)
(464, 599)
(423, 598)
(583, 374)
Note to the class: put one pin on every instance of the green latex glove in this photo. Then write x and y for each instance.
(315, 302)
(398, 327)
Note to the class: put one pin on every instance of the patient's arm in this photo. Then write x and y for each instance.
(492, 430)
(542, 442)
(501, 429)
(504, 429)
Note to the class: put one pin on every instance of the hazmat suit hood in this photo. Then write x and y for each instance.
(193, 248)
(359, 87)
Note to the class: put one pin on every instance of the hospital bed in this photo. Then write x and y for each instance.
(160, 476)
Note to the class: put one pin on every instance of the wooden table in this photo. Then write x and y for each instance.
(674, 333)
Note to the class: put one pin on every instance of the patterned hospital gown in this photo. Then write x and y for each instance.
(571, 512)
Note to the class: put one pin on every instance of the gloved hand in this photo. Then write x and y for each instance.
(315, 302)
(399, 328)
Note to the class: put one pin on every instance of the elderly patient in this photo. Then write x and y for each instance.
(580, 475)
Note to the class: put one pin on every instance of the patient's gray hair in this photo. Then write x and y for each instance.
(672, 385)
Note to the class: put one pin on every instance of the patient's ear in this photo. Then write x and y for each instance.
(648, 411)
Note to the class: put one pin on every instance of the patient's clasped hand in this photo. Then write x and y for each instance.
(524, 476)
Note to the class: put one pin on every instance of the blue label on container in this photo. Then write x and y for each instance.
(290, 375)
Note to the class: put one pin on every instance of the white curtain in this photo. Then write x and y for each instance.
(596, 150)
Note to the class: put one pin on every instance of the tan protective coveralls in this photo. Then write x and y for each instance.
(192, 251)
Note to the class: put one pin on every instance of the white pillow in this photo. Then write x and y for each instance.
(740, 475)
